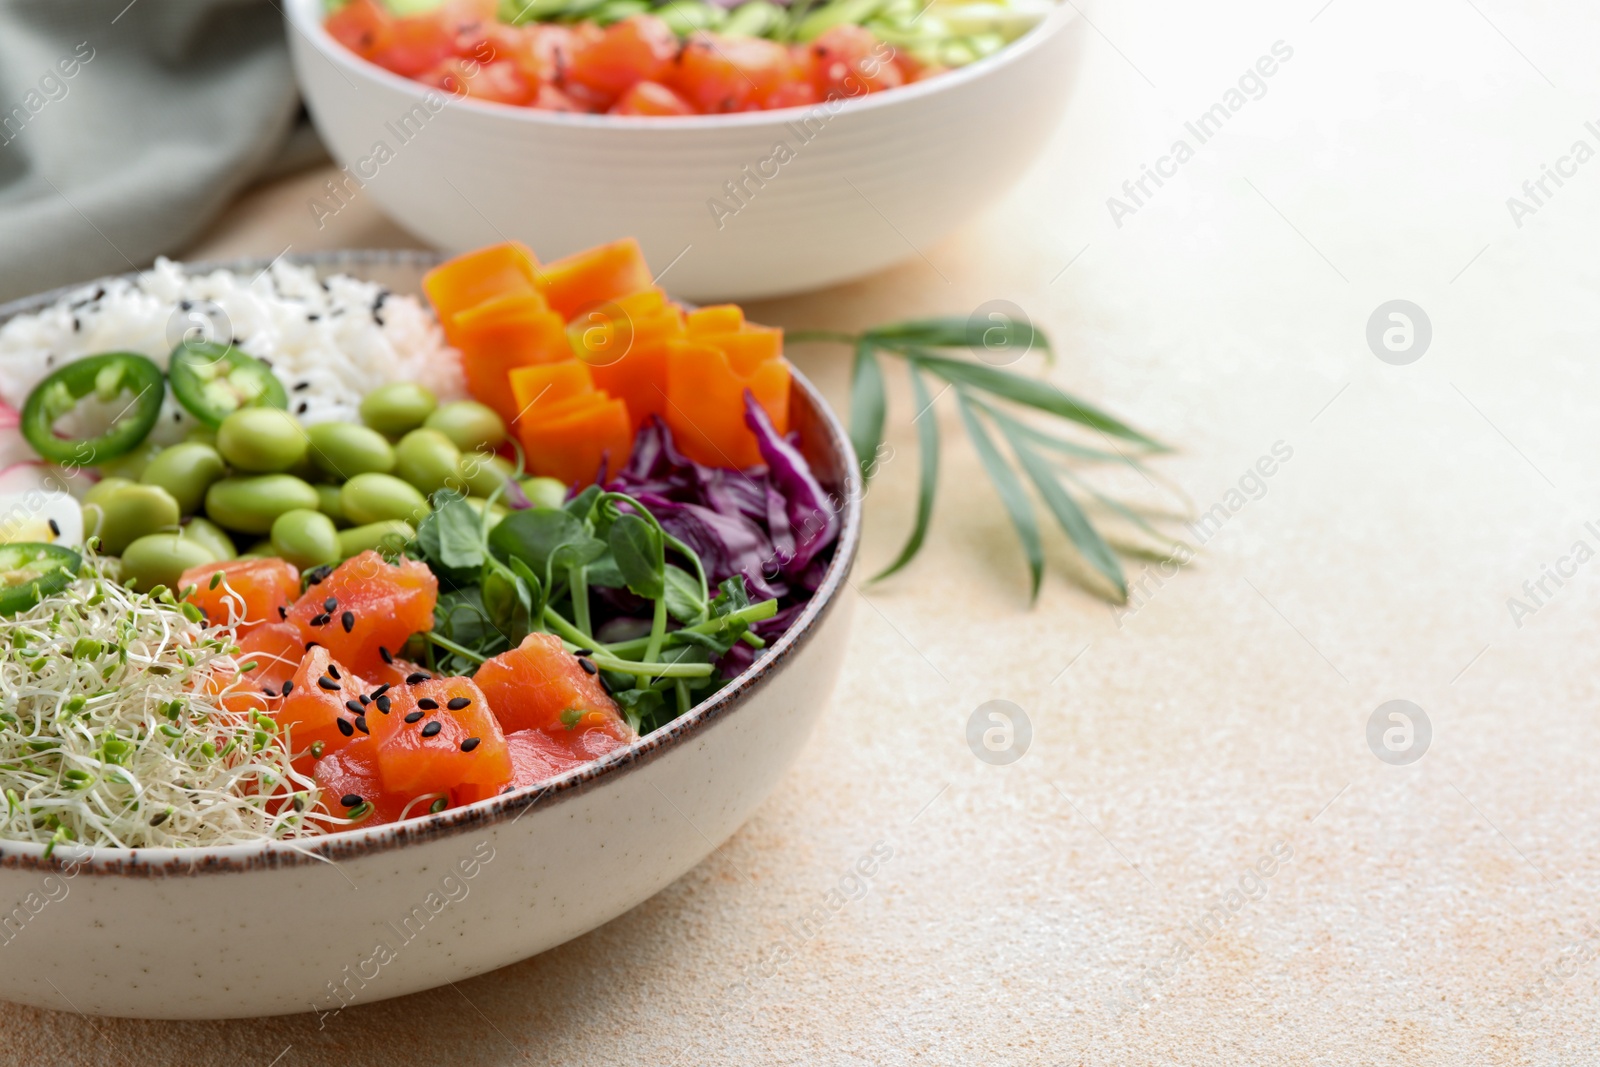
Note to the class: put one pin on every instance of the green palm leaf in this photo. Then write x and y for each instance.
(1012, 494)
(928, 442)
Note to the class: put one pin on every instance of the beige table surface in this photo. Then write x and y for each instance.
(1436, 913)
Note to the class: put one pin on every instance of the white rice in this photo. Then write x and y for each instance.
(330, 343)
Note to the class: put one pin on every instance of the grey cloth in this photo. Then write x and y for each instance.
(125, 128)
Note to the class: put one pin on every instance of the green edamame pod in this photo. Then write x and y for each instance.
(398, 408)
(685, 17)
(328, 503)
(305, 538)
(342, 450)
(483, 474)
(387, 537)
(250, 504)
(838, 13)
(369, 498)
(544, 492)
(471, 426)
(212, 536)
(131, 512)
(262, 440)
(427, 459)
(161, 558)
(186, 471)
(131, 464)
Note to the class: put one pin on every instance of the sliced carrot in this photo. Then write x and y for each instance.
(718, 318)
(705, 408)
(468, 280)
(639, 377)
(572, 443)
(747, 348)
(584, 279)
(497, 340)
(536, 389)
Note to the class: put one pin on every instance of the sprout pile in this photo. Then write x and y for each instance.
(113, 730)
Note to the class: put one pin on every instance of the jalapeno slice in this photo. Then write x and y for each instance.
(213, 380)
(31, 571)
(107, 376)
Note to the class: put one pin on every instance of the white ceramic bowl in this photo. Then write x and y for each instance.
(369, 914)
(871, 181)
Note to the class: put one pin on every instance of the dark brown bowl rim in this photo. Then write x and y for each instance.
(351, 844)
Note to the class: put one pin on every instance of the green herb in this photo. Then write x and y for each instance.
(988, 399)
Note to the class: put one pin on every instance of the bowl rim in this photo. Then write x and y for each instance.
(509, 807)
(301, 17)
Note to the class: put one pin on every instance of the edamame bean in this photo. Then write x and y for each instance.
(427, 459)
(261, 440)
(131, 465)
(472, 426)
(342, 450)
(369, 498)
(305, 538)
(328, 503)
(544, 492)
(250, 505)
(752, 19)
(132, 511)
(482, 474)
(390, 536)
(186, 471)
(214, 537)
(99, 491)
(160, 559)
(398, 408)
(202, 433)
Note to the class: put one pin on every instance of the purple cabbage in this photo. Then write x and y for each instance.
(770, 524)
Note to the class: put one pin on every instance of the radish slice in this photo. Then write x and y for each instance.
(41, 515)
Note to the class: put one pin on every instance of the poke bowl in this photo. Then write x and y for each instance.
(737, 205)
(143, 874)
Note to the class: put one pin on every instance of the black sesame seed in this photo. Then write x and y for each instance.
(414, 717)
(469, 744)
(269, 691)
(365, 700)
(350, 800)
(428, 704)
(345, 727)
(331, 604)
(311, 644)
(382, 689)
(55, 528)
(413, 679)
(301, 386)
(328, 683)
(158, 818)
(315, 575)
(584, 652)
(588, 667)
(348, 621)
(361, 724)
(301, 408)
(288, 686)
(383, 704)
(385, 655)
(283, 612)
(313, 317)
(431, 729)
(355, 708)
(320, 620)
(333, 671)
(457, 703)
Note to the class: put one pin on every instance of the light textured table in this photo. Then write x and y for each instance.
(1059, 910)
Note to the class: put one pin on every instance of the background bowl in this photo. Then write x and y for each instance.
(856, 186)
(369, 914)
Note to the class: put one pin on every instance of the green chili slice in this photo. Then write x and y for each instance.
(31, 571)
(108, 376)
(213, 380)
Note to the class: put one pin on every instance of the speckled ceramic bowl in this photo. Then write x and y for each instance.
(369, 914)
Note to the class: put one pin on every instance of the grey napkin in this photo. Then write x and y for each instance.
(126, 127)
